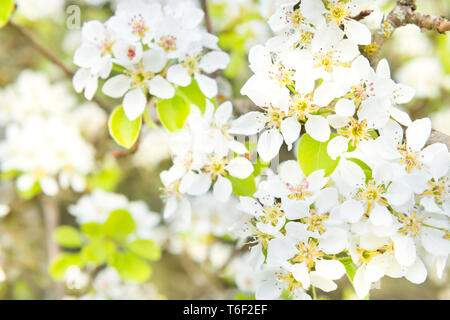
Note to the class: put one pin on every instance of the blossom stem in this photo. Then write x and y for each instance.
(208, 25)
(314, 292)
(51, 57)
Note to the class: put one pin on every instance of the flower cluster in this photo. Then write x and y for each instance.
(377, 198)
(38, 115)
(202, 156)
(146, 48)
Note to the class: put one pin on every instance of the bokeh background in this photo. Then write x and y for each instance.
(192, 261)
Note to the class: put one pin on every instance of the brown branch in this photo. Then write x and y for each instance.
(362, 15)
(50, 212)
(403, 13)
(439, 137)
(204, 4)
(27, 34)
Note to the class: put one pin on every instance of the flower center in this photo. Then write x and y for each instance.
(290, 283)
(437, 189)
(272, 214)
(338, 13)
(356, 131)
(298, 192)
(282, 75)
(167, 43)
(308, 253)
(191, 65)
(217, 168)
(409, 158)
(411, 224)
(302, 106)
(372, 194)
(138, 25)
(315, 222)
(275, 116)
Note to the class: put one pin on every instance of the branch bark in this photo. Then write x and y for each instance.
(27, 34)
(204, 4)
(403, 13)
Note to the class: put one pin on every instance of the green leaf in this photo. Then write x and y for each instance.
(94, 252)
(350, 267)
(106, 179)
(173, 112)
(124, 131)
(6, 10)
(131, 267)
(31, 193)
(145, 248)
(193, 95)
(119, 225)
(62, 262)
(367, 170)
(92, 229)
(243, 187)
(312, 156)
(259, 166)
(67, 236)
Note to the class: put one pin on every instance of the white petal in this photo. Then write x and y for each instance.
(337, 146)
(330, 269)
(195, 184)
(326, 199)
(322, 283)
(160, 87)
(318, 128)
(213, 61)
(207, 85)
(345, 108)
(117, 86)
(154, 60)
(222, 189)
(380, 216)
(49, 186)
(418, 133)
(295, 209)
(269, 144)
(417, 273)
(134, 103)
(179, 75)
(361, 285)
(248, 124)
(352, 210)
(268, 291)
(239, 167)
(403, 93)
(223, 113)
(25, 182)
(358, 32)
(404, 249)
(290, 129)
(301, 274)
(249, 205)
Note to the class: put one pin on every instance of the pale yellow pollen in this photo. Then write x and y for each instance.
(356, 131)
(308, 253)
(372, 194)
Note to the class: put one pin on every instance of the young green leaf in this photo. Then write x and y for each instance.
(313, 155)
(145, 248)
(62, 262)
(94, 252)
(119, 225)
(131, 267)
(6, 10)
(173, 112)
(67, 236)
(91, 229)
(124, 131)
(243, 187)
(193, 95)
(367, 170)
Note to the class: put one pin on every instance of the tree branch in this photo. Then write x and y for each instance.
(403, 13)
(51, 57)
(204, 4)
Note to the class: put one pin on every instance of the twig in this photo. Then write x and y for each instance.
(208, 25)
(50, 212)
(50, 56)
(362, 15)
(403, 13)
(439, 137)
